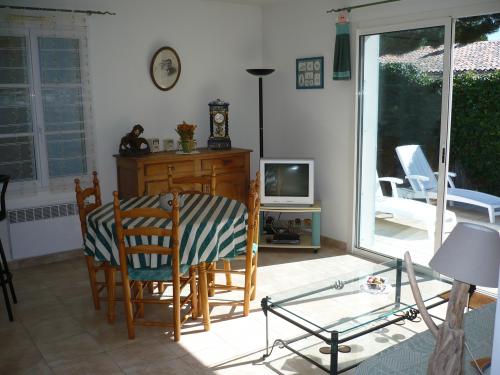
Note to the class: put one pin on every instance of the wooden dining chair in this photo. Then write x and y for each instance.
(88, 200)
(134, 223)
(249, 256)
(5, 274)
(197, 185)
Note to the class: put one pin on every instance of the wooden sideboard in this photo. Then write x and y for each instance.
(147, 174)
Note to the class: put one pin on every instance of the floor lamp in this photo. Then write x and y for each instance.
(470, 255)
(260, 73)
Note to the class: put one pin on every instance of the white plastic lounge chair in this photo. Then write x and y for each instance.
(423, 181)
(411, 212)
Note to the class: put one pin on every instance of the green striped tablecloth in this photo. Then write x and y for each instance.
(211, 228)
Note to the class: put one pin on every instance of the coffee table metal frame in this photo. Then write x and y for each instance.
(334, 341)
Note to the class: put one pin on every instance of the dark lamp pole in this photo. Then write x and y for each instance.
(260, 73)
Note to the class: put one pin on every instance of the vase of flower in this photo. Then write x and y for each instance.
(188, 145)
(186, 134)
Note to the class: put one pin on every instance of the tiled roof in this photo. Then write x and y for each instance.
(478, 56)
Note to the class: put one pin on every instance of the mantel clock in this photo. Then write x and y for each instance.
(219, 126)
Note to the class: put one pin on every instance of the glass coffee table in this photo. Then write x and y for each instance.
(345, 307)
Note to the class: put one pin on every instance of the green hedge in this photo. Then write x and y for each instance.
(410, 113)
(475, 131)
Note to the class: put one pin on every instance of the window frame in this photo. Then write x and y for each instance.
(29, 86)
(42, 179)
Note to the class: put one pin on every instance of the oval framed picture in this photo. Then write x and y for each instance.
(165, 68)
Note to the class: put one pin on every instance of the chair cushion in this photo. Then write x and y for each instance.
(163, 273)
(255, 248)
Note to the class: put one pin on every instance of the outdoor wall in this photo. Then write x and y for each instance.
(216, 42)
(321, 123)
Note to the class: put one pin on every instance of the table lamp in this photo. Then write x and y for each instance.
(495, 357)
(470, 255)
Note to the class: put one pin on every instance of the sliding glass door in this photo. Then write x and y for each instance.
(475, 122)
(402, 136)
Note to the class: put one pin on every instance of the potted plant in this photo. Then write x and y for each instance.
(186, 133)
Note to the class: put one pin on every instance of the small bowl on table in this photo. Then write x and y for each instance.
(375, 282)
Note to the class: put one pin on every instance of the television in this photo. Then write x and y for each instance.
(287, 181)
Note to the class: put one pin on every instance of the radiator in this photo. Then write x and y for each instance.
(44, 230)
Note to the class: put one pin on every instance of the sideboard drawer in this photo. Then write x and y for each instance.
(162, 169)
(222, 164)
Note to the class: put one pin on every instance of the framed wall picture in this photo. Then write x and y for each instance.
(309, 73)
(165, 68)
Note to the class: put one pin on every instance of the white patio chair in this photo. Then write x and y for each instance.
(423, 181)
(410, 212)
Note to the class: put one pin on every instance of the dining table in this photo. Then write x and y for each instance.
(211, 227)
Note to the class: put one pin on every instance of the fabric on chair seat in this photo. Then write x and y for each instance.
(255, 248)
(163, 273)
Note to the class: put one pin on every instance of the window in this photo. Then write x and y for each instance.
(45, 117)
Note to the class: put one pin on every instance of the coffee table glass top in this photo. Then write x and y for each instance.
(353, 300)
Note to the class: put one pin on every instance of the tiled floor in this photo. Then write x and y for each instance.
(57, 330)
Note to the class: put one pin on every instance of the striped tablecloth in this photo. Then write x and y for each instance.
(211, 228)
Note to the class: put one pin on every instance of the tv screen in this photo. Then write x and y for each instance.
(290, 180)
(287, 181)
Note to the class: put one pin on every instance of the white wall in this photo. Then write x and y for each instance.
(216, 42)
(309, 123)
(321, 123)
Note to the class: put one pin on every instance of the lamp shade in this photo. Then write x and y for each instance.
(495, 352)
(261, 72)
(470, 254)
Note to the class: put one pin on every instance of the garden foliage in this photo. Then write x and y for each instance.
(410, 113)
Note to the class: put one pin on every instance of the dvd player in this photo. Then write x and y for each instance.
(286, 238)
(286, 242)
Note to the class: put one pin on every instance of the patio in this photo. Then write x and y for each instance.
(393, 237)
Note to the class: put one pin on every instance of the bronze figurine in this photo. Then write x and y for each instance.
(132, 144)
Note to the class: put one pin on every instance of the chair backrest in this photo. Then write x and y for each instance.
(414, 163)
(4, 180)
(201, 181)
(253, 208)
(145, 227)
(257, 183)
(84, 206)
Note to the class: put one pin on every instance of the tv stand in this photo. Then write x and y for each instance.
(307, 241)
